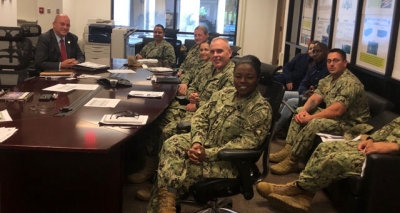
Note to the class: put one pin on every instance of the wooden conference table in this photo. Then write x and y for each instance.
(71, 163)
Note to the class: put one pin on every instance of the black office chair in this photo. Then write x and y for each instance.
(207, 193)
(10, 79)
(15, 49)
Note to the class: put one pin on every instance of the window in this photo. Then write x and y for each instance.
(218, 16)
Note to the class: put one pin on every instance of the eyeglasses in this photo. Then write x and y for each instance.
(333, 60)
(126, 113)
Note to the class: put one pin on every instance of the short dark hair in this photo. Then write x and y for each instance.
(314, 42)
(340, 51)
(162, 27)
(251, 60)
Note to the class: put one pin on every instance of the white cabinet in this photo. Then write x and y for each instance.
(97, 50)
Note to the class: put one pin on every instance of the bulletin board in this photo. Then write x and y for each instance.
(306, 22)
(323, 21)
(375, 33)
(345, 22)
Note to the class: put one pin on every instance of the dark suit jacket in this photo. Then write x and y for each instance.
(48, 57)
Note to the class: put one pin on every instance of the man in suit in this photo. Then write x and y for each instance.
(58, 48)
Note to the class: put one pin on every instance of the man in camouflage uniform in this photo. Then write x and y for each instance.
(212, 78)
(159, 48)
(330, 162)
(346, 106)
(221, 123)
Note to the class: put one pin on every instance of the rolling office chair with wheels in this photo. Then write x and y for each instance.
(206, 193)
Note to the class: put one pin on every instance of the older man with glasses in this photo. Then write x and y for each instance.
(346, 107)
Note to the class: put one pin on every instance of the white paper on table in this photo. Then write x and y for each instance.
(102, 102)
(85, 86)
(113, 119)
(89, 76)
(144, 66)
(5, 116)
(5, 133)
(149, 61)
(92, 65)
(121, 71)
(61, 88)
(160, 69)
(148, 94)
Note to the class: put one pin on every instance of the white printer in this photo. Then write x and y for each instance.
(97, 37)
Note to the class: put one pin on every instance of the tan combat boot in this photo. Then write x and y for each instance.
(287, 166)
(143, 194)
(292, 204)
(146, 172)
(166, 201)
(281, 155)
(264, 189)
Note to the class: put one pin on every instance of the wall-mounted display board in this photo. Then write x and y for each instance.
(343, 32)
(323, 21)
(375, 32)
(306, 22)
(396, 67)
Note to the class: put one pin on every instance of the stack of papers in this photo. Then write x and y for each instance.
(70, 87)
(93, 65)
(5, 133)
(146, 94)
(148, 61)
(4, 116)
(160, 69)
(112, 119)
(102, 102)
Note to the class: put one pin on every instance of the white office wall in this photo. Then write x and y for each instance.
(256, 28)
(68, 8)
(89, 9)
(27, 9)
(8, 13)
(46, 20)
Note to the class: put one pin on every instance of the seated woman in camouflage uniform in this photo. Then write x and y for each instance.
(331, 161)
(235, 118)
(159, 48)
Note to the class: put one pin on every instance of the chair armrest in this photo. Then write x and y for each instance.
(239, 155)
(289, 107)
(184, 126)
(381, 185)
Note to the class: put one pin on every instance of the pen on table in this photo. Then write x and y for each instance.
(55, 96)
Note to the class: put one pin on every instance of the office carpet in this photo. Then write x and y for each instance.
(320, 203)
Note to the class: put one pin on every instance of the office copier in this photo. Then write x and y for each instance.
(97, 37)
(120, 41)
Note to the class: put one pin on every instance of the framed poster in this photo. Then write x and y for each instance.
(375, 32)
(343, 32)
(396, 67)
(306, 23)
(323, 21)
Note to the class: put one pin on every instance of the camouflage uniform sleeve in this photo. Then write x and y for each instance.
(392, 128)
(258, 122)
(146, 49)
(169, 53)
(200, 121)
(193, 53)
(349, 92)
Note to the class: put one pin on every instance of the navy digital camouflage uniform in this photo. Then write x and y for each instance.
(164, 51)
(332, 161)
(347, 90)
(205, 84)
(219, 124)
(191, 60)
(191, 74)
